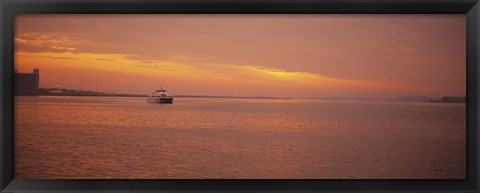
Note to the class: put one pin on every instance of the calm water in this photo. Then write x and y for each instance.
(106, 137)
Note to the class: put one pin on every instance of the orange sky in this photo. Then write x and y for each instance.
(247, 55)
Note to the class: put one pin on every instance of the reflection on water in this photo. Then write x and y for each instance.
(123, 137)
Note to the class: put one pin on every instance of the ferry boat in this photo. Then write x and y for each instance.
(160, 96)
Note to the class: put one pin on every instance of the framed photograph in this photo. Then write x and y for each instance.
(239, 96)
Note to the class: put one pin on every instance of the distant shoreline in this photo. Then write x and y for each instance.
(71, 92)
(246, 97)
(233, 97)
(176, 96)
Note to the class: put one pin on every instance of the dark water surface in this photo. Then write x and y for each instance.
(121, 137)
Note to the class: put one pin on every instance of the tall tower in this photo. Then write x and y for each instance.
(36, 73)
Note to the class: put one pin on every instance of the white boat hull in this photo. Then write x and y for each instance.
(160, 100)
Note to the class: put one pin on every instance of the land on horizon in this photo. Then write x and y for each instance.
(76, 92)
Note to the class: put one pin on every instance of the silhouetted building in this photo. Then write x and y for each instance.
(27, 83)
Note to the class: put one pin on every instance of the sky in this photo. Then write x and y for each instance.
(247, 55)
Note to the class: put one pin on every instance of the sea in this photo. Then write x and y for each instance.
(87, 137)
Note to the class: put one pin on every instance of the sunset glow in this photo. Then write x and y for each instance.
(285, 96)
(273, 55)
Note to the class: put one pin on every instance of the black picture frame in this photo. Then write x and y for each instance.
(9, 8)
